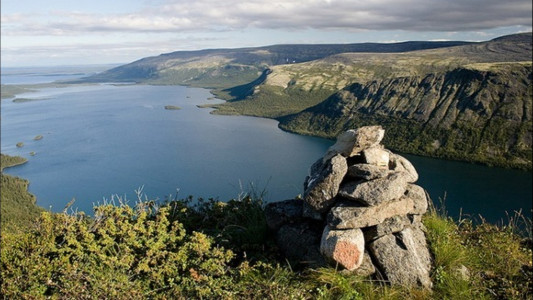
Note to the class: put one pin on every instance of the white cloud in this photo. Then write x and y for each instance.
(200, 15)
(126, 32)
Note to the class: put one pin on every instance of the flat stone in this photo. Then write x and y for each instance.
(347, 214)
(343, 247)
(352, 142)
(401, 164)
(376, 191)
(376, 156)
(367, 172)
(323, 184)
(403, 257)
(282, 212)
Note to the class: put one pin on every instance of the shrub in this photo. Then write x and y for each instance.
(121, 252)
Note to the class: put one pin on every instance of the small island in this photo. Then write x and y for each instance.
(23, 100)
(172, 107)
(20, 144)
(38, 137)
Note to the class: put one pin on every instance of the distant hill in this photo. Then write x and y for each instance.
(459, 100)
(225, 68)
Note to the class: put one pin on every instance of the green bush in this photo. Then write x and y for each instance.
(122, 252)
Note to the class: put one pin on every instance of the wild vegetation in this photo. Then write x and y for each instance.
(18, 206)
(206, 249)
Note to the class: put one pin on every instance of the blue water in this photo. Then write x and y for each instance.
(476, 191)
(105, 140)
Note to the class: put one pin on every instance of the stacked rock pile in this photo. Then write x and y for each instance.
(361, 211)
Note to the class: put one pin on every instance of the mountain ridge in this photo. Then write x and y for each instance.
(479, 91)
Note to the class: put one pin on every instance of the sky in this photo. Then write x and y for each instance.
(71, 32)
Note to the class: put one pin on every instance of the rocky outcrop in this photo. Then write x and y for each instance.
(467, 113)
(403, 257)
(364, 199)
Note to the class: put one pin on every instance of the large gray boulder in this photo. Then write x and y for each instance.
(347, 214)
(403, 257)
(352, 142)
(323, 184)
(343, 247)
(376, 191)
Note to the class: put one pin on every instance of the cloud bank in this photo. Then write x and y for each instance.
(353, 15)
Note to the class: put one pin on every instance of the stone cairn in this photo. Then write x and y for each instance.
(361, 211)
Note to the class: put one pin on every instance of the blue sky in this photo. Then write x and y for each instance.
(61, 32)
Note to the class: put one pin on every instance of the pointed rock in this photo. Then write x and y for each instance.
(323, 184)
(403, 257)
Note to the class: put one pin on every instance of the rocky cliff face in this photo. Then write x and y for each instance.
(361, 211)
(481, 113)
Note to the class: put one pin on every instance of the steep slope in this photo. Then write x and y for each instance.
(468, 103)
(291, 88)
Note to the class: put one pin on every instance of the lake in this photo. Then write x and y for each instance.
(105, 140)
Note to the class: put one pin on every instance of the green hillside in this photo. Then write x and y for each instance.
(18, 209)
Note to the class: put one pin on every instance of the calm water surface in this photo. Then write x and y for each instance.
(106, 140)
